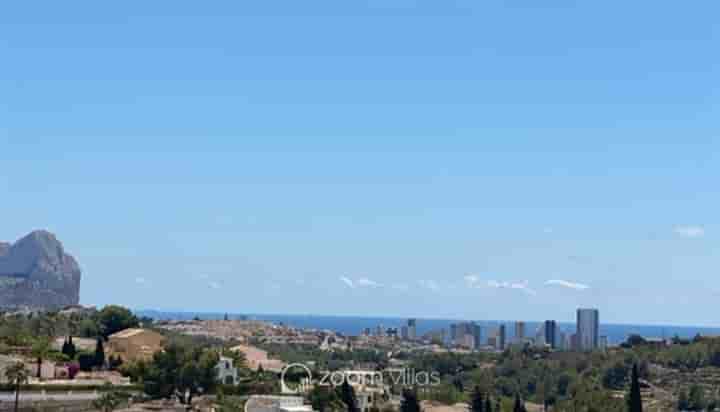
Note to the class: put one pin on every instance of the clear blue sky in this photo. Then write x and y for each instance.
(431, 158)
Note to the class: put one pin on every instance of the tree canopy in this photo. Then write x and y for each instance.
(113, 318)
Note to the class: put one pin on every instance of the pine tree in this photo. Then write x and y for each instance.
(99, 353)
(477, 404)
(635, 400)
(410, 402)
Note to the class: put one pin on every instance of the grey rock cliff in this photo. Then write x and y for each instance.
(35, 272)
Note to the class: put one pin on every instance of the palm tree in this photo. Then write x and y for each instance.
(40, 351)
(107, 402)
(17, 375)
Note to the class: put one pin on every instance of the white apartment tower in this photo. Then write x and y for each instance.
(588, 329)
(412, 329)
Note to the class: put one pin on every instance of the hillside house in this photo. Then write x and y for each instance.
(256, 357)
(227, 373)
(134, 344)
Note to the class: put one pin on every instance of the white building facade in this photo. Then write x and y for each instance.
(588, 329)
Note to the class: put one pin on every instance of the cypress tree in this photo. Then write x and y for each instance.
(457, 382)
(519, 405)
(635, 399)
(99, 353)
(65, 347)
(477, 404)
(347, 395)
(410, 402)
(72, 350)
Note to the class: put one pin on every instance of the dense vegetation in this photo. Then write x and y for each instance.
(685, 373)
(326, 360)
(33, 334)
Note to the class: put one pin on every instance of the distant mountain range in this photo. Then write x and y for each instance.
(36, 273)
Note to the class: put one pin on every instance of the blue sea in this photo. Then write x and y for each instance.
(350, 325)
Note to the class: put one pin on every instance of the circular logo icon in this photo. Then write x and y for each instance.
(292, 387)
